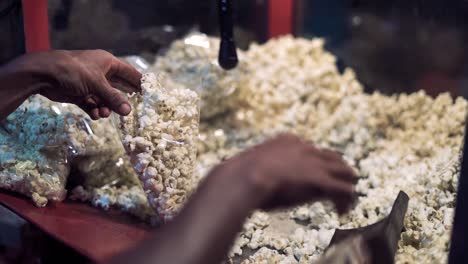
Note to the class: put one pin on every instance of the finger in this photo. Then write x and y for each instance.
(93, 107)
(126, 73)
(343, 200)
(122, 86)
(104, 112)
(328, 154)
(343, 203)
(342, 171)
(94, 113)
(113, 99)
(88, 105)
(91, 101)
(331, 186)
(342, 206)
(327, 170)
(311, 149)
(293, 196)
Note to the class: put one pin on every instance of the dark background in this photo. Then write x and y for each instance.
(394, 46)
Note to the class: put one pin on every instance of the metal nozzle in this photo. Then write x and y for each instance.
(227, 51)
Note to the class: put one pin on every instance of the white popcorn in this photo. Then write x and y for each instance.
(269, 256)
(33, 152)
(131, 200)
(324, 238)
(407, 142)
(195, 66)
(161, 136)
(301, 213)
(38, 200)
(40, 140)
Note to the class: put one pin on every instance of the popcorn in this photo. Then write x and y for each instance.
(401, 142)
(160, 137)
(110, 167)
(192, 63)
(131, 200)
(267, 256)
(41, 139)
(393, 162)
(33, 156)
(406, 142)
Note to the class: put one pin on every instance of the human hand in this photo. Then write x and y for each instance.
(281, 172)
(90, 79)
(287, 171)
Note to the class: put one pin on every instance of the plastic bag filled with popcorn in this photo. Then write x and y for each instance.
(160, 135)
(40, 141)
(102, 172)
(36, 150)
(100, 157)
(193, 63)
(108, 180)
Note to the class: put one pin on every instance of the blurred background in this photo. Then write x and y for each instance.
(395, 46)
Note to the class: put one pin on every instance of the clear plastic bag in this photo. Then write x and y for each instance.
(138, 63)
(193, 63)
(41, 140)
(107, 178)
(35, 151)
(109, 181)
(160, 136)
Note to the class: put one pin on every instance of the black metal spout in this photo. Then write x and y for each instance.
(228, 50)
(381, 239)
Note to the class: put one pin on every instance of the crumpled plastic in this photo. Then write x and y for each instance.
(138, 63)
(41, 140)
(160, 137)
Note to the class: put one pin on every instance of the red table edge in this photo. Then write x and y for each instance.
(80, 250)
(13, 202)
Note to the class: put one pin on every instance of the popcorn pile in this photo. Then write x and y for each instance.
(32, 157)
(109, 181)
(131, 199)
(160, 137)
(282, 73)
(40, 141)
(193, 62)
(407, 142)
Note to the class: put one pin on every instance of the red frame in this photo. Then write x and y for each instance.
(280, 17)
(36, 25)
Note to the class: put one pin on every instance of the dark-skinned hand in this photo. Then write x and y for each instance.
(91, 79)
(284, 171)
(289, 171)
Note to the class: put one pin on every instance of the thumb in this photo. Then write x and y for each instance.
(114, 99)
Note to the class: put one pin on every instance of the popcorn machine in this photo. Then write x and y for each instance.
(319, 83)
